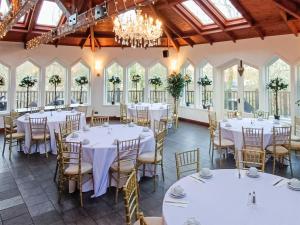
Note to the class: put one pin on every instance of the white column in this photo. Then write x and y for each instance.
(218, 92)
(147, 88)
(12, 89)
(198, 96)
(42, 87)
(293, 95)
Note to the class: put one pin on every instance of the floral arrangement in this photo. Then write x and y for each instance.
(275, 85)
(55, 80)
(204, 81)
(2, 81)
(114, 80)
(156, 82)
(27, 82)
(80, 81)
(187, 79)
(135, 79)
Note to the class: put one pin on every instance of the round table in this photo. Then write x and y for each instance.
(223, 199)
(156, 110)
(53, 120)
(235, 134)
(101, 150)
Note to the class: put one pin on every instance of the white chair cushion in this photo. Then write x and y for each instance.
(151, 221)
(295, 145)
(224, 142)
(39, 136)
(125, 166)
(295, 138)
(279, 149)
(73, 169)
(149, 157)
(16, 135)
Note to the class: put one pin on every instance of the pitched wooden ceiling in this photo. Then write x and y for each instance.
(259, 18)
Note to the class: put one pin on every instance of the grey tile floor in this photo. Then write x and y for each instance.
(28, 194)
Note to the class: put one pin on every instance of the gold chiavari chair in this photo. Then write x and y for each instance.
(74, 121)
(187, 161)
(219, 143)
(233, 114)
(71, 166)
(11, 136)
(124, 114)
(253, 154)
(154, 158)
(99, 120)
(281, 146)
(14, 115)
(68, 108)
(125, 162)
(171, 118)
(35, 109)
(295, 138)
(131, 201)
(158, 126)
(261, 114)
(39, 133)
(82, 109)
(212, 125)
(142, 116)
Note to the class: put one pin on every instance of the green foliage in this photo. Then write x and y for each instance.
(277, 84)
(187, 79)
(175, 85)
(155, 81)
(204, 81)
(82, 80)
(114, 80)
(28, 82)
(136, 78)
(2, 81)
(55, 80)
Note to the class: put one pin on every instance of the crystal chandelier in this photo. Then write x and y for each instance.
(136, 30)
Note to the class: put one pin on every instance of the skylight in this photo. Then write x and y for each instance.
(227, 9)
(49, 15)
(4, 8)
(197, 12)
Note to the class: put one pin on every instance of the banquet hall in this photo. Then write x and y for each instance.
(149, 112)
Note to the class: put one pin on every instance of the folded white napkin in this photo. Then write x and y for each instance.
(115, 142)
(85, 142)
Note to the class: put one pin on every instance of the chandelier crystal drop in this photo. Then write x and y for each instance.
(136, 30)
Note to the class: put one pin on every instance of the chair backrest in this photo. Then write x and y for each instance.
(14, 114)
(281, 137)
(131, 199)
(82, 109)
(99, 120)
(187, 161)
(38, 125)
(65, 128)
(253, 158)
(142, 115)
(8, 125)
(233, 114)
(159, 125)
(159, 143)
(123, 113)
(142, 219)
(34, 109)
(70, 155)
(297, 126)
(127, 152)
(74, 120)
(253, 138)
(261, 114)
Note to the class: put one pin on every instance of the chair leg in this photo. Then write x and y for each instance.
(117, 192)
(80, 190)
(274, 161)
(45, 145)
(154, 181)
(55, 173)
(10, 148)
(144, 169)
(291, 168)
(162, 170)
(4, 146)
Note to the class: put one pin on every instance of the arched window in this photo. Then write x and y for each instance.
(160, 94)
(136, 89)
(251, 89)
(4, 85)
(80, 93)
(55, 70)
(27, 69)
(231, 88)
(188, 72)
(113, 96)
(207, 70)
(280, 69)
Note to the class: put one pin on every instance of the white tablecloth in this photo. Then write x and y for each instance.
(101, 152)
(222, 200)
(235, 134)
(53, 120)
(156, 110)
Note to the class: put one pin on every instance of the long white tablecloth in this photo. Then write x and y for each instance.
(156, 110)
(101, 152)
(234, 133)
(53, 120)
(222, 200)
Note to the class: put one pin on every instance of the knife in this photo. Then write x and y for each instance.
(278, 182)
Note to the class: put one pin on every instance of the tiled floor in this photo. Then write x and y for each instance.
(28, 194)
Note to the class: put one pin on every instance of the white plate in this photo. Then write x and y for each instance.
(206, 176)
(292, 187)
(177, 196)
(252, 176)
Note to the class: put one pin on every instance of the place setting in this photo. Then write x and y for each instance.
(177, 197)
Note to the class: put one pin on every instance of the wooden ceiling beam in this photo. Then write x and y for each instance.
(168, 24)
(92, 38)
(248, 17)
(288, 22)
(98, 43)
(183, 14)
(215, 16)
(83, 40)
(33, 19)
(289, 6)
(174, 42)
